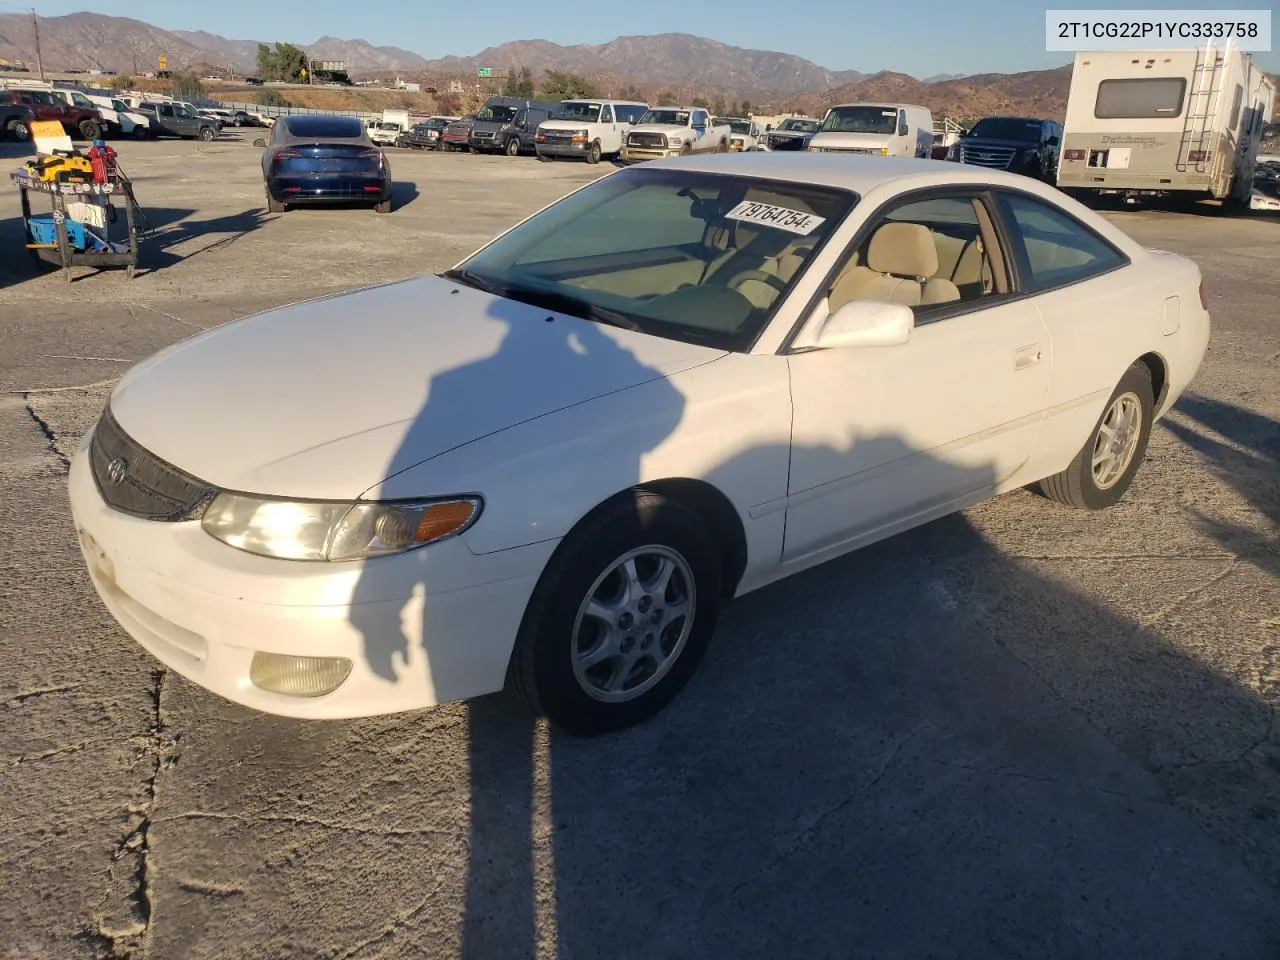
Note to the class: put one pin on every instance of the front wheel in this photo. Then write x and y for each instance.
(593, 152)
(722, 147)
(19, 130)
(207, 134)
(621, 617)
(1106, 465)
(513, 147)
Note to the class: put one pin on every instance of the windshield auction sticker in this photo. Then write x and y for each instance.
(768, 215)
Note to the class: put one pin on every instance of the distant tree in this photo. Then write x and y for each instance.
(283, 61)
(187, 86)
(567, 86)
(718, 107)
(629, 92)
(666, 99)
(450, 104)
(699, 102)
(746, 109)
(271, 98)
(122, 83)
(519, 83)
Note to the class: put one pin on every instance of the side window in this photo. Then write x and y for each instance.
(521, 117)
(1235, 108)
(1055, 247)
(699, 118)
(903, 129)
(606, 114)
(166, 110)
(923, 254)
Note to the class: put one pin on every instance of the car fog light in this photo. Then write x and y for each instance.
(298, 676)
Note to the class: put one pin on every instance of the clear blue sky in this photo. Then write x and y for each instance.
(923, 38)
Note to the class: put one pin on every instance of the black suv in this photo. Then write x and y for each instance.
(1025, 145)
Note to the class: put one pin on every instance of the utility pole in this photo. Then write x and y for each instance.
(35, 25)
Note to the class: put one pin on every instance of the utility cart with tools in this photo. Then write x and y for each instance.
(83, 190)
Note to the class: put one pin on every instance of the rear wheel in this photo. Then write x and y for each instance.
(90, 129)
(593, 152)
(1106, 465)
(383, 206)
(274, 205)
(621, 617)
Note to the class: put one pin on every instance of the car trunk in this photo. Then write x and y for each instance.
(327, 160)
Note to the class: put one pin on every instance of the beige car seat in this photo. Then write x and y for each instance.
(901, 262)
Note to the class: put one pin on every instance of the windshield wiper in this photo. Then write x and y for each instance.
(564, 303)
(468, 279)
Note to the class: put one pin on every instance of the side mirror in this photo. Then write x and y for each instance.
(259, 142)
(866, 323)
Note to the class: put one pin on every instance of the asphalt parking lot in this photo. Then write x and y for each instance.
(1020, 731)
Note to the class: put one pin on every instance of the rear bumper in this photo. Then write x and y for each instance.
(329, 189)
(1074, 175)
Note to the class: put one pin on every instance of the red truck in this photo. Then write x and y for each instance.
(79, 122)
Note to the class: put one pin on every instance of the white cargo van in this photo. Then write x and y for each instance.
(875, 129)
(588, 129)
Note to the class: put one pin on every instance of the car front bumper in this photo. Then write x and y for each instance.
(637, 154)
(561, 149)
(419, 629)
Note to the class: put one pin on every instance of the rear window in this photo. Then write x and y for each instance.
(1141, 97)
(325, 127)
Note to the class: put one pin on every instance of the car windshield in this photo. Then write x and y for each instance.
(737, 126)
(498, 114)
(801, 126)
(119, 106)
(861, 120)
(588, 112)
(1006, 128)
(388, 125)
(699, 257)
(675, 118)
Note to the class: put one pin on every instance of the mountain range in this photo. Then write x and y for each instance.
(120, 44)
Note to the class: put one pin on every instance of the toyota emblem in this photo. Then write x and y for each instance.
(117, 470)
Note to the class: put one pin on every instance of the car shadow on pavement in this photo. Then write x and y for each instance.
(169, 231)
(888, 755)
(1247, 459)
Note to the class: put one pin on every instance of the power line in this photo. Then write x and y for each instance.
(35, 25)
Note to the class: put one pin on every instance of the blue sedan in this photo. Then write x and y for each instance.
(324, 159)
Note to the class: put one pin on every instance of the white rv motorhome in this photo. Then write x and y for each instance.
(1165, 123)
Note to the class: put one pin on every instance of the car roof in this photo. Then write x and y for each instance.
(879, 103)
(861, 174)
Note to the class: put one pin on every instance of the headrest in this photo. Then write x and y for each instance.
(904, 250)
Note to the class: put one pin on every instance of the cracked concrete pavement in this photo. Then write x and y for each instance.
(1019, 731)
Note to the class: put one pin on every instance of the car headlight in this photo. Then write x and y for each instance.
(320, 530)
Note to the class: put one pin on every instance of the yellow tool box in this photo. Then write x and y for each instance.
(61, 169)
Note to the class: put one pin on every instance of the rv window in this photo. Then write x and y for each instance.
(1140, 97)
(1235, 108)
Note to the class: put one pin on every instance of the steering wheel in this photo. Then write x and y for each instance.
(772, 280)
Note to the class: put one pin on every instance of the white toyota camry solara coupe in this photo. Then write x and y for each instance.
(550, 466)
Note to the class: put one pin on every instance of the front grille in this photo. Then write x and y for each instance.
(997, 157)
(139, 483)
(483, 134)
(647, 140)
(557, 136)
(785, 143)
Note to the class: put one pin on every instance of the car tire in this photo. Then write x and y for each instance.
(593, 152)
(90, 130)
(543, 158)
(207, 134)
(274, 205)
(383, 206)
(141, 133)
(1124, 428)
(548, 669)
(686, 150)
(19, 130)
(512, 147)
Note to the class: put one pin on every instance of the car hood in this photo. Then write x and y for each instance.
(660, 128)
(329, 397)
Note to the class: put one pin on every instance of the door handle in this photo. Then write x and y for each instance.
(1028, 356)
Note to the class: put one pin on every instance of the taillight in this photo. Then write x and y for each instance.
(1204, 301)
(374, 154)
(1072, 154)
(1198, 156)
(287, 153)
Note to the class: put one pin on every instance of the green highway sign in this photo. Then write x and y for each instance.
(484, 71)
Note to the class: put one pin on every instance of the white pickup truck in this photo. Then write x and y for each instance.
(390, 128)
(674, 132)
